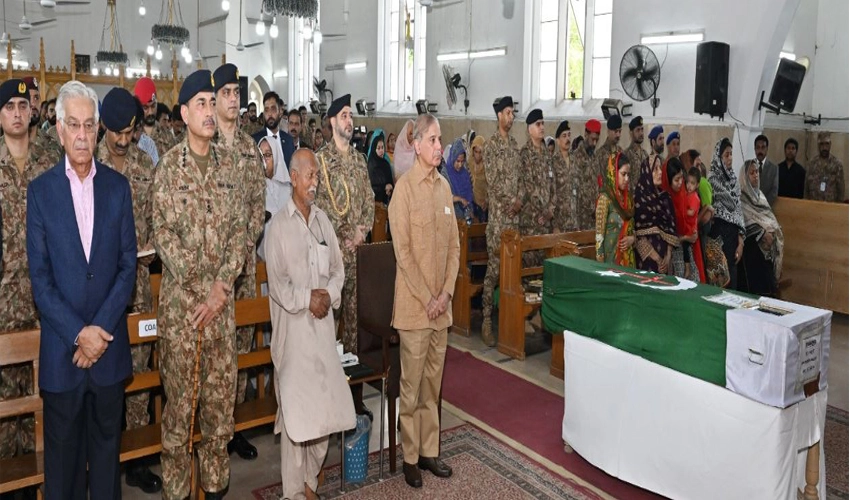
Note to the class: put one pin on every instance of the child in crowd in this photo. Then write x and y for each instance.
(691, 223)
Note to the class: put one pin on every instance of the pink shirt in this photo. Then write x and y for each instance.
(82, 192)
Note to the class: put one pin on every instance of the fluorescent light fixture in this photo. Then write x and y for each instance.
(355, 65)
(788, 55)
(281, 74)
(475, 54)
(672, 37)
(488, 53)
(131, 72)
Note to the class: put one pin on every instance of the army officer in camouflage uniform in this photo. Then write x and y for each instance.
(200, 236)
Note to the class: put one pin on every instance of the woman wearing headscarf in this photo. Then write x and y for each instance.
(460, 181)
(278, 184)
(403, 156)
(615, 231)
(550, 144)
(655, 222)
(391, 147)
(475, 161)
(763, 238)
(683, 260)
(728, 222)
(380, 173)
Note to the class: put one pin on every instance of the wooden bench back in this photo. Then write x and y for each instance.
(379, 226)
(21, 348)
(473, 252)
(815, 257)
(578, 243)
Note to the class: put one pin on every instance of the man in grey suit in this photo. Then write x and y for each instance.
(768, 171)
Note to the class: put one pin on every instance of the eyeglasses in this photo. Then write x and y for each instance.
(267, 155)
(74, 127)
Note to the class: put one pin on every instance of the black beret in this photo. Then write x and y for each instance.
(118, 110)
(504, 102)
(615, 122)
(636, 122)
(533, 115)
(226, 73)
(337, 105)
(563, 126)
(13, 88)
(199, 81)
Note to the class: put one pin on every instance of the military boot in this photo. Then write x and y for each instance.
(487, 332)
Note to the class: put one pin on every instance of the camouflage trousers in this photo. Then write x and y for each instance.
(216, 396)
(17, 434)
(137, 412)
(535, 258)
(348, 313)
(491, 278)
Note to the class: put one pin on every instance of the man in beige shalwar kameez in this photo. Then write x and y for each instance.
(305, 270)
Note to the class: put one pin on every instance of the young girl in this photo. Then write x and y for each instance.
(683, 260)
(692, 206)
(614, 212)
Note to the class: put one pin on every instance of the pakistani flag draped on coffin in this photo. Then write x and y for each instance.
(659, 318)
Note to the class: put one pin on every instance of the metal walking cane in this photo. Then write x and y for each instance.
(196, 382)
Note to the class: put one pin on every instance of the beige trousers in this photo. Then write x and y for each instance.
(423, 354)
(300, 463)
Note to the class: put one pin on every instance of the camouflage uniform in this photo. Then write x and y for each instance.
(200, 239)
(565, 187)
(637, 155)
(253, 127)
(17, 309)
(825, 180)
(587, 188)
(536, 183)
(345, 194)
(163, 138)
(139, 170)
(502, 160)
(249, 163)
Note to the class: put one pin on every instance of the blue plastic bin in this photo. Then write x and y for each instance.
(357, 451)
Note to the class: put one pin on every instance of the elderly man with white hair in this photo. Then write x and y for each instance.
(81, 246)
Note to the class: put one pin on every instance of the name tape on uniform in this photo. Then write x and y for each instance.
(147, 328)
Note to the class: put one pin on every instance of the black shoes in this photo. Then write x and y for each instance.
(143, 478)
(214, 496)
(412, 476)
(435, 465)
(242, 447)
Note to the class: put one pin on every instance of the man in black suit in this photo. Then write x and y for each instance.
(272, 105)
(81, 247)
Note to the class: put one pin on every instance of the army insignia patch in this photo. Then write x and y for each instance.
(22, 88)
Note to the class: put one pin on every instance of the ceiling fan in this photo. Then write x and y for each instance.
(239, 45)
(26, 25)
(5, 39)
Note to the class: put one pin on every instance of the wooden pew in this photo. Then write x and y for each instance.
(513, 308)
(380, 224)
(473, 252)
(581, 244)
(27, 470)
(815, 260)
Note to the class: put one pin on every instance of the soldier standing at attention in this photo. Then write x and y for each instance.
(635, 152)
(656, 144)
(345, 194)
(536, 183)
(200, 238)
(145, 90)
(587, 185)
(604, 152)
(565, 181)
(231, 140)
(21, 161)
(501, 154)
(825, 174)
(118, 152)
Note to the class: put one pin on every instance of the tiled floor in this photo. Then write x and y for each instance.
(247, 476)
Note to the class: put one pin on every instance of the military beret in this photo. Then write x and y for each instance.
(822, 136)
(656, 131)
(593, 126)
(504, 102)
(199, 81)
(562, 127)
(636, 122)
(226, 73)
(145, 90)
(673, 135)
(13, 88)
(337, 105)
(533, 115)
(119, 110)
(615, 122)
(31, 82)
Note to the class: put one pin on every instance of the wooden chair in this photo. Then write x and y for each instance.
(473, 253)
(26, 470)
(379, 226)
(377, 340)
(513, 308)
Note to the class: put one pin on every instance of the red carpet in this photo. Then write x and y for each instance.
(524, 412)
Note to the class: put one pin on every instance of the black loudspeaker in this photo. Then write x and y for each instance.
(243, 92)
(712, 78)
(786, 85)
